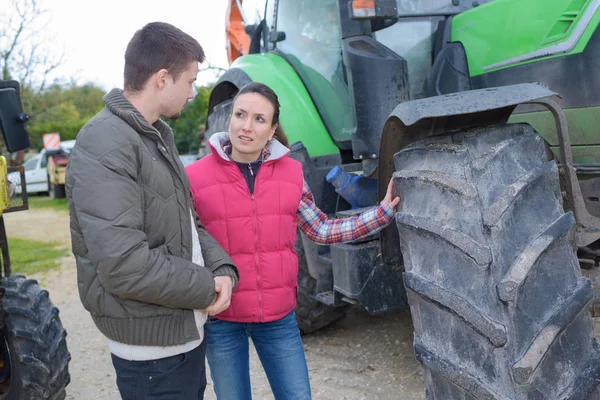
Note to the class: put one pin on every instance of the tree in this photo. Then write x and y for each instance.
(188, 126)
(24, 54)
(61, 109)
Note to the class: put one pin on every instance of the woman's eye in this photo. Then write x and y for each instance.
(260, 119)
(239, 115)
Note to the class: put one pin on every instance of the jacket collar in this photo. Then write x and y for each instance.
(122, 108)
(220, 143)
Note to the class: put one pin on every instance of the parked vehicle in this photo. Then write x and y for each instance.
(36, 173)
(187, 159)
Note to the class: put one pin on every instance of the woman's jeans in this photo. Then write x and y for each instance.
(279, 348)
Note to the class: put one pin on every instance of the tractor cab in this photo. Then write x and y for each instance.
(357, 64)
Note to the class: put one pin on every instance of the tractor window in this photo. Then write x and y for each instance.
(313, 45)
(412, 39)
(253, 10)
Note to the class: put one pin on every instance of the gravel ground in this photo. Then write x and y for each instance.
(360, 357)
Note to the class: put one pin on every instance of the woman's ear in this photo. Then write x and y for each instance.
(273, 130)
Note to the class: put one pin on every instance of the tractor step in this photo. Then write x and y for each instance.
(326, 298)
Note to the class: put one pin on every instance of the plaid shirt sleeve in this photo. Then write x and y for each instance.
(317, 226)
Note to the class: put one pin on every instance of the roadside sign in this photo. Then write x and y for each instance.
(51, 141)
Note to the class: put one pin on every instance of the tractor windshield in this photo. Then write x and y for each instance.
(313, 46)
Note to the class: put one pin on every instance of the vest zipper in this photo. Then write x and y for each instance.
(255, 225)
(260, 305)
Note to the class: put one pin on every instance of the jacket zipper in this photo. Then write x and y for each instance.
(166, 153)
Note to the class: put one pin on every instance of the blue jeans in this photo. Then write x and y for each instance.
(172, 378)
(279, 348)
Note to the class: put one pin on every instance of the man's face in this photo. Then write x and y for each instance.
(178, 92)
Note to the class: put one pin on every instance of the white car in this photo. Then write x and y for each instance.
(36, 174)
(187, 159)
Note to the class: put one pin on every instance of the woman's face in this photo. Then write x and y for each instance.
(251, 126)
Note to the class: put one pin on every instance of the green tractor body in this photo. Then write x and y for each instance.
(431, 93)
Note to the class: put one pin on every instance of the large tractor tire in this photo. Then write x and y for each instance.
(34, 348)
(499, 305)
(311, 314)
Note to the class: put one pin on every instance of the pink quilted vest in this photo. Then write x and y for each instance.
(258, 231)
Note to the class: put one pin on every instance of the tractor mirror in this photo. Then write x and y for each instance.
(276, 36)
(12, 117)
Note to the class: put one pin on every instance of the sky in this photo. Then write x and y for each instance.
(93, 35)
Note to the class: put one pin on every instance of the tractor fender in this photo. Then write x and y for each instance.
(227, 86)
(299, 116)
(411, 121)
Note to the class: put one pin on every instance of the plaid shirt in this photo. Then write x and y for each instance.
(317, 226)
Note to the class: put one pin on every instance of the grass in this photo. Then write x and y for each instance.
(31, 256)
(39, 202)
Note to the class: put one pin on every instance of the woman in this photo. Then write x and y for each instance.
(251, 197)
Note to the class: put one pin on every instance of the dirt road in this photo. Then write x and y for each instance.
(360, 357)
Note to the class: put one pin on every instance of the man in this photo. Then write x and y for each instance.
(146, 267)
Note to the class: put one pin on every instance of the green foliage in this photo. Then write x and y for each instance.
(31, 256)
(66, 109)
(189, 125)
(60, 109)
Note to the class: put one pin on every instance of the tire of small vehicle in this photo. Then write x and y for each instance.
(56, 191)
(499, 306)
(36, 340)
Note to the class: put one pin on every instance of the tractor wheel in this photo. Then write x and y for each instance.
(312, 315)
(56, 191)
(499, 305)
(34, 348)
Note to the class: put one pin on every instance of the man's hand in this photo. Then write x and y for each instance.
(390, 194)
(223, 289)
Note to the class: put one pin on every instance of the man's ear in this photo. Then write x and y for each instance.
(162, 78)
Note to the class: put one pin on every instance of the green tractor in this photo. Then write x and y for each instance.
(486, 114)
(34, 357)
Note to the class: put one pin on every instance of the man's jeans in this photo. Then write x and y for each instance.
(279, 348)
(173, 378)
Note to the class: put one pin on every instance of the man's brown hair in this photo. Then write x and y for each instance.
(157, 46)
